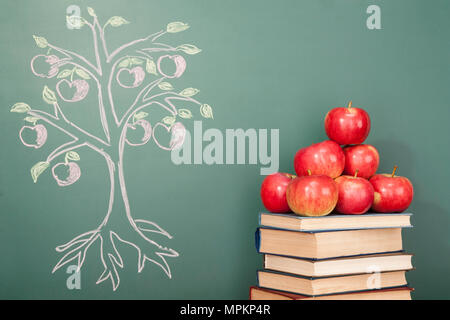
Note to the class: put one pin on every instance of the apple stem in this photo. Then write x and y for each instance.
(393, 171)
(349, 104)
(356, 173)
(309, 172)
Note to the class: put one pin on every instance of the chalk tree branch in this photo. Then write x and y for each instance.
(77, 58)
(66, 127)
(134, 45)
(63, 148)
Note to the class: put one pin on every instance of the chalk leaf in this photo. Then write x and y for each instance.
(41, 42)
(189, 49)
(20, 107)
(117, 21)
(48, 95)
(136, 61)
(72, 155)
(124, 63)
(189, 92)
(165, 86)
(37, 169)
(83, 74)
(31, 119)
(91, 12)
(169, 120)
(206, 111)
(150, 67)
(140, 115)
(75, 21)
(177, 26)
(64, 73)
(184, 113)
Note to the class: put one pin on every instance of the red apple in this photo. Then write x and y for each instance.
(363, 158)
(312, 195)
(347, 125)
(355, 194)
(392, 193)
(324, 157)
(273, 192)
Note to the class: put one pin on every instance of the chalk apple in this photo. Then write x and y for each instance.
(48, 69)
(137, 73)
(74, 173)
(180, 66)
(145, 126)
(41, 135)
(81, 89)
(178, 135)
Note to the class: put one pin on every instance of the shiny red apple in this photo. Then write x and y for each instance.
(324, 157)
(273, 192)
(312, 195)
(355, 194)
(392, 193)
(363, 158)
(347, 125)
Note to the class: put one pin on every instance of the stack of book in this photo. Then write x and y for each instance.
(340, 257)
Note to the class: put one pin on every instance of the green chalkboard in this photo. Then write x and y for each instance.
(174, 225)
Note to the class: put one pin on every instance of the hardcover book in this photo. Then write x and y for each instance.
(339, 266)
(330, 244)
(316, 286)
(334, 221)
(400, 293)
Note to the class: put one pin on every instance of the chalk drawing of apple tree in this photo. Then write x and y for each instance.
(141, 60)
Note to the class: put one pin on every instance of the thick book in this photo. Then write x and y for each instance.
(335, 221)
(315, 286)
(339, 266)
(400, 293)
(330, 244)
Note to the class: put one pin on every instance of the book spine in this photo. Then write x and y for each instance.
(258, 239)
(250, 292)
